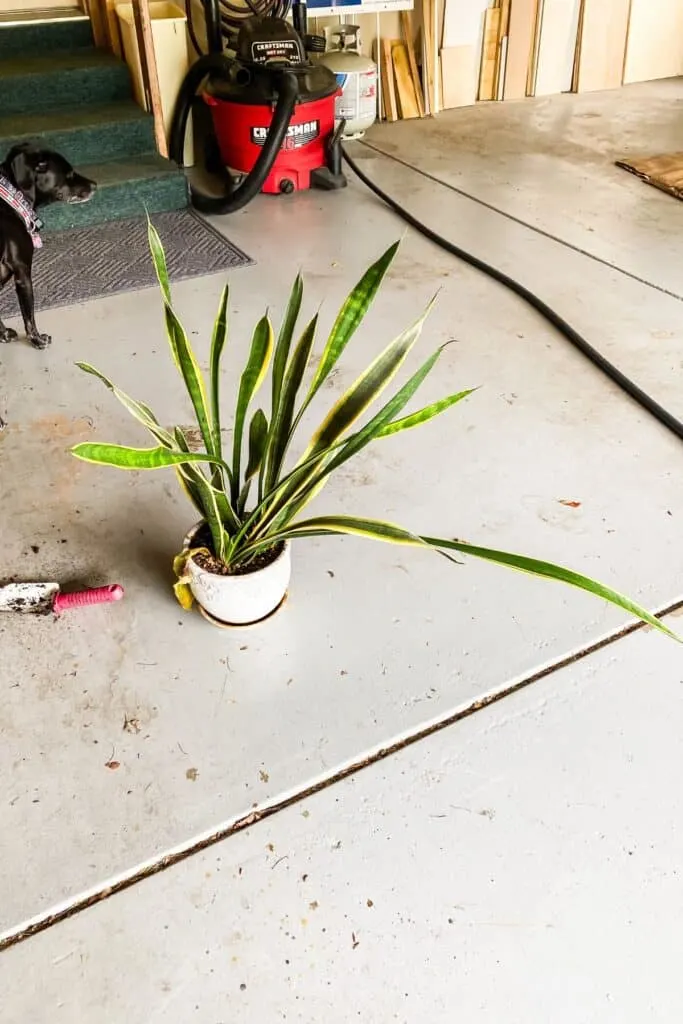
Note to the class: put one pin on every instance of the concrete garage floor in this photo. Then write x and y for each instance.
(516, 855)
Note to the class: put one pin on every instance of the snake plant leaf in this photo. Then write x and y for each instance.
(379, 530)
(124, 457)
(281, 425)
(416, 419)
(350, 317)
(191, 374)
(142, 413)
(258, 435)
(550, 571)
(366, 388)
(308, 485)
(159, 260)
(198, 485)
(284, 342)
(218, 340)
(250, 381)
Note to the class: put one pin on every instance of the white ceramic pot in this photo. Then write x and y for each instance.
(244, 599)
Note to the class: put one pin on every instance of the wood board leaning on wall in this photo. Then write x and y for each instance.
(484, 50)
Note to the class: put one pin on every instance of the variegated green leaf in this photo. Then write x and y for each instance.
(191, 374)
(252, 377)
(350, 317)
(220, 334)
(159, 260)
(142, 413)
(281, 427)
(123, 457)
(549, 571)
(284, 341)
(416, 419)
(365, 389)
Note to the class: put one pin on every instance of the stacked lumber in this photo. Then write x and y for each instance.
(486, 50)
(400, 83)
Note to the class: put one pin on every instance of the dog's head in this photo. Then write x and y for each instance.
(45, 176)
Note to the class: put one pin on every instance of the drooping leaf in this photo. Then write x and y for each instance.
(183, 594)
(378, 530)
(550, 571)
(252, 377)
(142, 413)
(350, 317)
(218, 340)
(124, 457)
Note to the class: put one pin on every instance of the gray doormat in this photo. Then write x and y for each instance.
(89, 263)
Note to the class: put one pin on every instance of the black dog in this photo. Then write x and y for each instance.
(31, 177)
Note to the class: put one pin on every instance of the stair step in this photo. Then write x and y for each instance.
(125, 188)
(84, 77)
(31, 37)
(86, 135)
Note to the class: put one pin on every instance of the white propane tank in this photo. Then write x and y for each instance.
(357, 78)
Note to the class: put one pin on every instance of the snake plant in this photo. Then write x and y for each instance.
(255, 503)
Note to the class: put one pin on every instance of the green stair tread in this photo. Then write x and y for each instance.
(125, 188)
(69, 60)
(32, 37)
(139, 168)
(60, 119)
(91, 134)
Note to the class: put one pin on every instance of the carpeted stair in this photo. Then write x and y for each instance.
(56, 87)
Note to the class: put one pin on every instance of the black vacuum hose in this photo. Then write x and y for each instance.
(287, 89)
(621, 380)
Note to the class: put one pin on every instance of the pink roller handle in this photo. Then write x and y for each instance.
(84, 598)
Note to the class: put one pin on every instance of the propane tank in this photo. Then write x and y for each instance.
(357, 79)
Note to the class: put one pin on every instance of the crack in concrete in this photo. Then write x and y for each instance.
(41, 923)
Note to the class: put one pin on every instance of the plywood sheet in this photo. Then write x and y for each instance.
(655, 40)
(459, 76)
(557, 44)
(603, 44)
(489, 54)
(520, 42)
(463, 22)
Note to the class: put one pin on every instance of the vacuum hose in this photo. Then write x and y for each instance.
(578, 341)
(287, 89)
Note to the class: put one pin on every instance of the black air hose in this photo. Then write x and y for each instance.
(287, 89)
(644, 400)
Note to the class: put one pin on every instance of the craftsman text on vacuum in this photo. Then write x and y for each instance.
(297, 135)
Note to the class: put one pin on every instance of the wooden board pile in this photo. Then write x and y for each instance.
(401, 86)
(509, 49)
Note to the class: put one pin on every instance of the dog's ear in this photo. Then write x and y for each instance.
(22, 170)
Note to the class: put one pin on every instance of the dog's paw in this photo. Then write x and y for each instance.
(7, 334)
(40, 340)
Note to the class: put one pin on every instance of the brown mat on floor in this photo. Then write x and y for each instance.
(664, 172)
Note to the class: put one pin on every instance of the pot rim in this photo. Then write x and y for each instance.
(187, 544)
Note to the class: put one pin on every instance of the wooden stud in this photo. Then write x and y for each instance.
(388, 88)
(489, 54)
(407, 28)
(143, 31)
(407, 101)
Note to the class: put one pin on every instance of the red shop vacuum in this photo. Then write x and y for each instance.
(272, 111)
